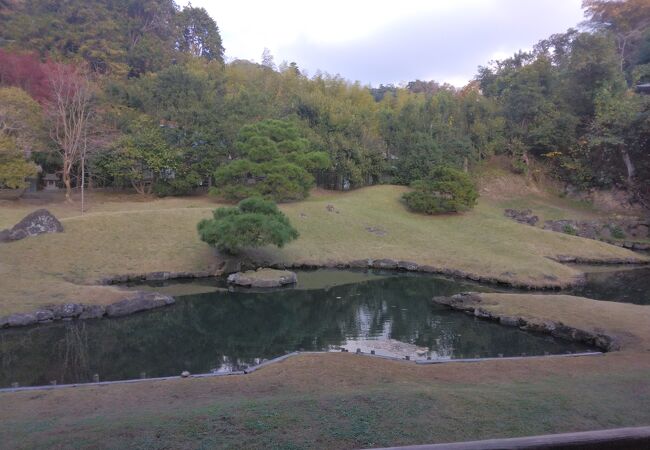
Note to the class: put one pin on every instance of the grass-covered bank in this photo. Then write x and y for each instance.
(338, 401)
(125, 235)
(629, 324)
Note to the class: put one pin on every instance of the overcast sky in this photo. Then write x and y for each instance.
(389, 41)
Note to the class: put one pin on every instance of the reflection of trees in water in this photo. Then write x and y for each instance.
(229, 330)
(74, 351)
(39, 355)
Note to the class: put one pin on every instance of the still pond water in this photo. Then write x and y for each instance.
(213, 329)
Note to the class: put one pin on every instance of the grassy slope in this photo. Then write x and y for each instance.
(132, 236)
(338, 401)
(507, 190)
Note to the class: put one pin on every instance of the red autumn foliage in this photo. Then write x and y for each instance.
(26, 71)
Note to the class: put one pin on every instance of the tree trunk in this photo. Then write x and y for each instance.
(628, 165)
(622, 49)
(139, 187)
(83, 176)
(526, 161)
(67, 168)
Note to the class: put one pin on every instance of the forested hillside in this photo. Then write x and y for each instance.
(155, 107)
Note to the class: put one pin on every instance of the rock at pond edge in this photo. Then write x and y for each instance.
(263, 278)
(141, 302)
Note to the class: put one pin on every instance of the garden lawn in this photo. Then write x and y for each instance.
(127, 235)
(339, 400)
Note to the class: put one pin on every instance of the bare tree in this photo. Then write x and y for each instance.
(69, 111)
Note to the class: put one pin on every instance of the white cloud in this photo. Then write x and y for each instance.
(387, 41)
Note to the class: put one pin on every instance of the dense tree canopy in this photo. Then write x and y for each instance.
(21, 132)
(271, 160)
(118, 37)
(570, 103)
(198, 34)
(141, 157)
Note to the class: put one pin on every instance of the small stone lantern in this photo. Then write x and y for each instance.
(51, 179)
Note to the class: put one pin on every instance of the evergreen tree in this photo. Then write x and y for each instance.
(253, 223)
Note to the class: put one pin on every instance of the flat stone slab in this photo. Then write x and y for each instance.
(142, 301)
(263, 278)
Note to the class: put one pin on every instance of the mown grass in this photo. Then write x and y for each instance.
(128, 235)
(628, 322)
(334, 401)
(337, 400)
(481, 241)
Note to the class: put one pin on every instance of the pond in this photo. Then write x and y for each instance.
(213, 329)
(627, 284)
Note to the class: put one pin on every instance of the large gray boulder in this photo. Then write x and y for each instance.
(142, 301)
(522, 216)
(67, 310)
(408, 265)
(384, 264)
(39, 222)
(263, 278)
(21, 320)
(360, 263)
(93, 312)
(44, 315)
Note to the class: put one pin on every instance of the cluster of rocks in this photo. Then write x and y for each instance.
(631, 245)
(522, 216)
(611, 231)
(139, 301)
(39, 222)
(263, 278)
(621, 232)
(471, 302)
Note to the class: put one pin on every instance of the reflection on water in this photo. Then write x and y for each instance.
(223, 331)
(629, 285)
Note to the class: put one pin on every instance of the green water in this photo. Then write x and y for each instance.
(217, 330)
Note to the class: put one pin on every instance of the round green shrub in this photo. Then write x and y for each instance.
(444, 190)
(253, 223)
